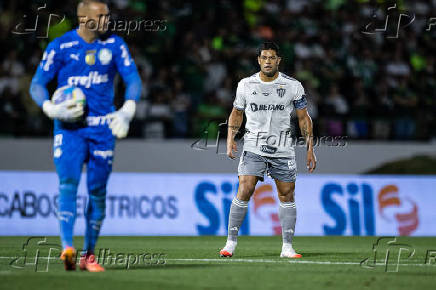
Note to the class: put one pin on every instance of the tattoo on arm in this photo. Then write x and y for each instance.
(235, 122)
(306, 131)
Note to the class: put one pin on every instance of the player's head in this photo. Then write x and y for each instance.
(93, 15)
(268, 57)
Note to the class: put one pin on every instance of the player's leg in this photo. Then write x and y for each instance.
(69, 152)
(238, 211)
(283, 170)
(287, 216)
(99, 167)
(251, 169)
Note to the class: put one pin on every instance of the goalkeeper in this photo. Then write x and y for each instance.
(88, 58)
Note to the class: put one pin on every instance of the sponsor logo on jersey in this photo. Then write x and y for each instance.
(105, 56)
(109, 40)
(74, 56)
(265, 94)
(266, 107)
(254, 93)
(68, 44)
(281, 92)
(90, 57)
(103, 154)
(94, 78)
(98, 120)
(268, 149)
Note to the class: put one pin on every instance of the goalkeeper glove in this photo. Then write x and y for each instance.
(68, 111)
(120, 119)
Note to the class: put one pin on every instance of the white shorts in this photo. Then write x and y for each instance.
(280, 168)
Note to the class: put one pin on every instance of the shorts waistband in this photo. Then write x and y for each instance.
(98, 120)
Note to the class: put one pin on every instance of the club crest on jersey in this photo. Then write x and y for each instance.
(90, 57)
(281, 92)
(105, 56)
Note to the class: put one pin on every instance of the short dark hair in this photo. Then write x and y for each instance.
(268, 45)
(84, 3)
(87, 2)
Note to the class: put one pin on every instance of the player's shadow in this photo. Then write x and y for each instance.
(162, 267)
(275, 255)
(270, 255)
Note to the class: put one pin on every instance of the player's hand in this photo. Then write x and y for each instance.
(120, 120)
(231, 147)
(68, 111)
(119, 124)
(311, 161)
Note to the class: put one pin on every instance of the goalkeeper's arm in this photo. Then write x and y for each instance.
(120, 120)
(66, 111)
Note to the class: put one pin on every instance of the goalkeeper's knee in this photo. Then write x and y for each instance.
(96, 210)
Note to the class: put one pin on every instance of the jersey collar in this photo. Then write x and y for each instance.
(271, 82)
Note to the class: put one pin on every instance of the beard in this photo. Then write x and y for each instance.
(270, 73)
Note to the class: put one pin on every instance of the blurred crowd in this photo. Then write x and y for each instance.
(361, 82)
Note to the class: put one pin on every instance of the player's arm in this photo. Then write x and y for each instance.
(127, 69)
(235, 121)
(306, 128)
(46, 71)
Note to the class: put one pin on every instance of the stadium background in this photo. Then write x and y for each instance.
(374, 92)
(369, 87)
(372, 99)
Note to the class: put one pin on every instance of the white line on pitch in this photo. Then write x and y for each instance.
(288, 261)
(230, 260)
(225, 260)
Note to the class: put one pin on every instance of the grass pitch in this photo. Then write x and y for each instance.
(193, 263)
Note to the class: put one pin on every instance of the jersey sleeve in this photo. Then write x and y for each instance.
(46, 71)
(300, 101)
(128, 71)
(240, 101)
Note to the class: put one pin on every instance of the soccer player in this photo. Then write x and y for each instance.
(89, 58)
(268, 98)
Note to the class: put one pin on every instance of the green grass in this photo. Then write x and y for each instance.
(193, 263)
